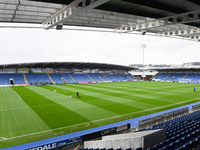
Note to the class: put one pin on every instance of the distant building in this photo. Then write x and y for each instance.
(191, 65)
(151, 70)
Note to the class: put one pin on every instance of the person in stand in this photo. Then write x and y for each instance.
(194, 89)
(77, 94)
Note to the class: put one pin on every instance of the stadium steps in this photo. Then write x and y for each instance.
(25, 79)
(106, 77)
(166, 76)
(60, 78)
(101, 79)
(154, 76)
(121, 77)
(172, 78)
(183, 77)
(50, 78)
(90, 77)
(134, 77)
(63, 80)
(72, 78)
(129, 78)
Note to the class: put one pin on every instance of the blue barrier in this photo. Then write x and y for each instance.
(47, 142)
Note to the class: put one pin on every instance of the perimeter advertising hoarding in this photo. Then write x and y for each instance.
(58, 144)
(196, 107)
(94, 70)
(49, 70)
(156, 118)
(23, 70)
(36, 70)
(67, 71)
(78, 139)
(106, 132)
(123, 127)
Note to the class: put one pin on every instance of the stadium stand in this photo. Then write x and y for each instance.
(174, 77)
(56, 78)
(60, 78)
(37, 78)
(66, 77)
(181, 133)
(161, 76)
(114, 77)
(192, 78)
(81, 78)
(104, 77)
(127, 77)
(96, 76)
(17, 78)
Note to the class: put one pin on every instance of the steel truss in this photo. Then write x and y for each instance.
(73, 9)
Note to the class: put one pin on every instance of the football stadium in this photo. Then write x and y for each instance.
(99, 106)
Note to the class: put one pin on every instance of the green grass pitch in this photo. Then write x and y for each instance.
(35, 112)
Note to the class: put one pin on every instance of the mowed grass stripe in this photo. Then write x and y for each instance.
(163, 94)
(154, 93)
(142, 94)
(96, 101)
(125, 105)
(86, 110)
(127, 97)
(173, 88)
(155, 98)
(54, 115)
(16, 122)
(107, 101)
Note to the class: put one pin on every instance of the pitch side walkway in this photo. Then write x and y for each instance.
(134, 122)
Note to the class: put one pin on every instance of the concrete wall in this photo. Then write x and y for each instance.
(153, 138)
(143, 139)
(129, 135)
(117, 143)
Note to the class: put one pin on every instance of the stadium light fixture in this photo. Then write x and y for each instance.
(143, 46)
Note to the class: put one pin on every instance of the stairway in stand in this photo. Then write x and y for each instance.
(72, 78)
(25, 79)
(90, 77)
(50, 78)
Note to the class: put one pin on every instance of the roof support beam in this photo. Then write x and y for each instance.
(189, 33)
(181, 32)
(73, 9)
(166, 21)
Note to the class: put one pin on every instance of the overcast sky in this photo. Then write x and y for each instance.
(38, 45)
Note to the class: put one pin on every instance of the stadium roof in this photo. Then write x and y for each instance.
(178, 69)
(174, 18)
(68, 65)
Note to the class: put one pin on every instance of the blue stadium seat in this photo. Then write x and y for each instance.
(157, 146)
(173, 145)
(151, 148)
(140, 148)
(167, 147)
